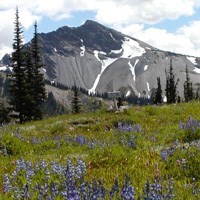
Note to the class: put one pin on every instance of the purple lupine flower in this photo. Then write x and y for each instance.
(72, 193)
(35, 140)
(128, 190)
(131, 141)
(81, 140)
(67, 138)
(56, 168)
(42, 165)
(120, 127)
(94, 192)
(80, 168)
(164, 154)
(25, 194)
(128, 193)
(69, 170)
(191, 124)
(54, 189)
(176, 142)
(29, 171)
(170, 188)
(84, 190)
(5, 152)
(6, 184)
(128, 127)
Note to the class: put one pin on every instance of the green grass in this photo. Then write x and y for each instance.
(159, 129)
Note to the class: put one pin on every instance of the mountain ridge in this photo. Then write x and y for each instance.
(101, 59)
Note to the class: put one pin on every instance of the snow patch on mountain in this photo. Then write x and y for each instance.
(112, 36)
(128, 93)
(104, 64)
(82, 53)
(131, 48)
(96, 54)
(197, 70)
(145, 67)
(3, 68)
(132, 68)
(116, 51)
(148, 88)
(192, 59)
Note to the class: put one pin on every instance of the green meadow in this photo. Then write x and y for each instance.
(145, 143)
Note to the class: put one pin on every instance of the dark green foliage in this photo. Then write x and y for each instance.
(4, 118)
(76, 104)
(158, 95)
(188, 88)
(30, 105)
(39, 93)
(171, 85)
(120, 102)
(27, 87)
(17, 81)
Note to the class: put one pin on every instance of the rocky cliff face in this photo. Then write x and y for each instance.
(101, 59)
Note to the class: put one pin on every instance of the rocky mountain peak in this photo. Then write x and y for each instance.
(92, 23)
(101, 59)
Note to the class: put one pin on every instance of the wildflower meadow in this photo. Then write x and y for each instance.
(148, 153)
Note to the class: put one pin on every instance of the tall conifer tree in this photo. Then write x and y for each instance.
(39, 93)
(30, 82)
(188, 88)
(158, 95)
(171, 85)
(76, 103)
(17, 81)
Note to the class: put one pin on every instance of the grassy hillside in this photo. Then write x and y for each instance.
(151, 151)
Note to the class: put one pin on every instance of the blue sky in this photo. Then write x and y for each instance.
(172, 25)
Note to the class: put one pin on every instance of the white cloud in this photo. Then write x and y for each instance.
(185, 40)
(129, 14)
(145, 11)
(192, 32)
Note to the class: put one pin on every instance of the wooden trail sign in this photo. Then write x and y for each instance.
(114, 94)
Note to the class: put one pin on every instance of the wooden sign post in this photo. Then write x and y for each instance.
(113, 95)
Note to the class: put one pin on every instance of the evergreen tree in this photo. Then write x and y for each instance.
(171, 85)
(76, 104)
(188, 88)
(158, 95)
(30, 83)
(39, 93)
(4, 111)
(120, 102)
(17, 87)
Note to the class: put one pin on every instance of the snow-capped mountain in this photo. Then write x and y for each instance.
(101, 59)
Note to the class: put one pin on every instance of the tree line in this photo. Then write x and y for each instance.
(171, 93)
